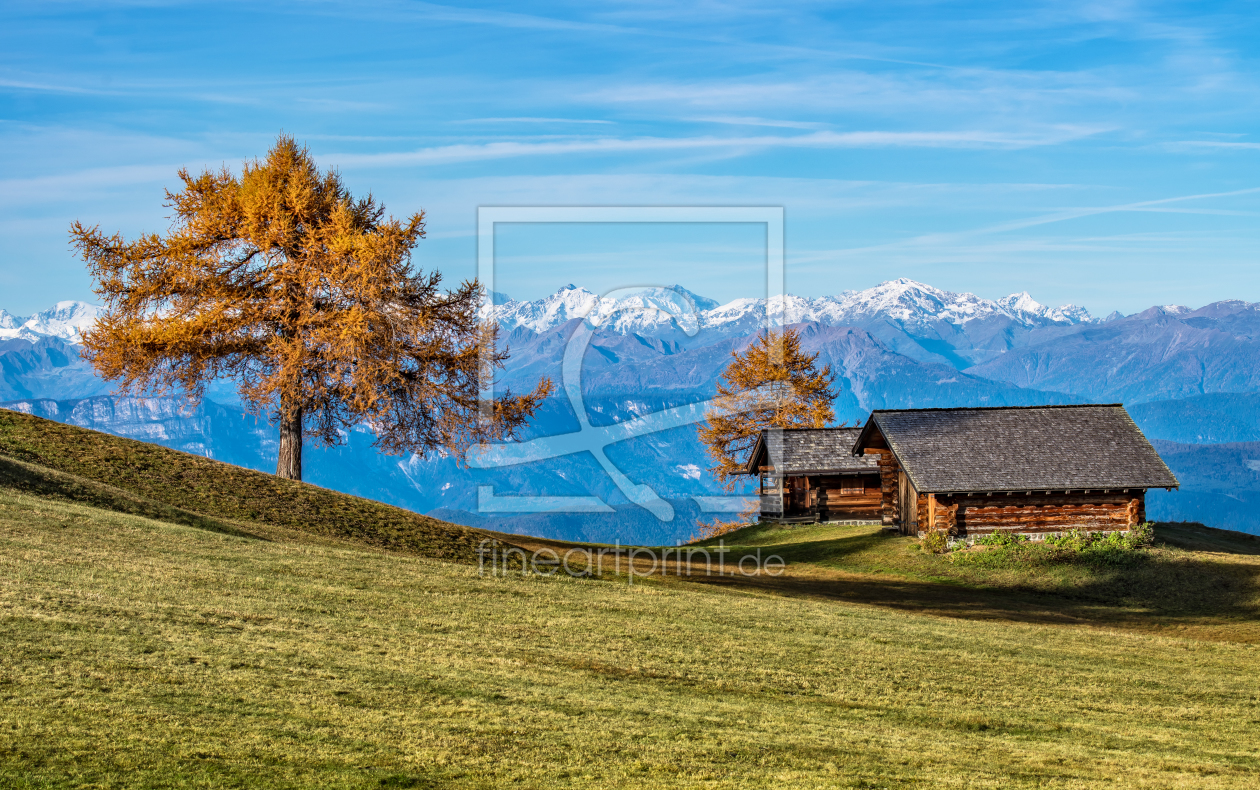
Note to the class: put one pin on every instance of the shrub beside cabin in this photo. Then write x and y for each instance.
(969, 472)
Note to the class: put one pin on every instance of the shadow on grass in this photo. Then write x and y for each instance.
(49, 484)
(1193, 536)
(1195, 577)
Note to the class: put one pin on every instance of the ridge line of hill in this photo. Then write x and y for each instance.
(65, 461)
(44, 483)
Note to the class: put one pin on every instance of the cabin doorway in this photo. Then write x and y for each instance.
(799, 496)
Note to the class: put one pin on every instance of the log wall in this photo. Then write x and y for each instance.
(977, 515)
(826, 497)
(890, 513)
(834, 503)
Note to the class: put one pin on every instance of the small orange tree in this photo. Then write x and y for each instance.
(770, 384)
(305, 297)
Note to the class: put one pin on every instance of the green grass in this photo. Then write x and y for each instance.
(1193, 580)
(73, 464)
(156, 634)
(140, 653)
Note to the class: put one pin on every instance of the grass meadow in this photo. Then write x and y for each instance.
(142, 653)
(170, 622)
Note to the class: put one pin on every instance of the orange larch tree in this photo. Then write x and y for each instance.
(305, 297)
(771, 384)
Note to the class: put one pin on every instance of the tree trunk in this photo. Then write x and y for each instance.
(289, 465)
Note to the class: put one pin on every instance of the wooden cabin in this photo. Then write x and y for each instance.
(1031, 470)
(812, 474)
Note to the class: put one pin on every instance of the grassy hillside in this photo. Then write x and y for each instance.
(172, 622)
(140, 653)
(74, 464)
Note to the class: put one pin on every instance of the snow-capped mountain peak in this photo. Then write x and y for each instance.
(644, 310)
(1072, 314)
(700, 302)
(1022, 302)
(1023, 307)
(909, 302)
(564, 305)
(64, 320)
(904, 299)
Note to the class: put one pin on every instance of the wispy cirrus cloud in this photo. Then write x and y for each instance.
(45, 86)
(930, 108)
(533, 120)
(1216, 145)
(703, 27)
(81, 184)
(961, 89)
(496, 18)
(940, 241)
(339, 105)
(466, 152)
(80, 84)
(746, 120)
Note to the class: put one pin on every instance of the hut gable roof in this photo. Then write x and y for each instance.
(1019, 448)
(801, 451)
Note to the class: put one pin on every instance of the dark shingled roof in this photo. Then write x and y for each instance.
(811, 451)
(1019, 448)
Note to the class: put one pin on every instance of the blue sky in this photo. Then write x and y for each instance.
(1100, 153)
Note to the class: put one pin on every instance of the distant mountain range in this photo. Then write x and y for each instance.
(904, 301)
(1189, 377)
(917, 320)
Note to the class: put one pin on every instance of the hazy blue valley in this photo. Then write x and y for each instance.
(1189, 377)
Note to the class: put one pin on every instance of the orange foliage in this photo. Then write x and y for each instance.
(717, 527)
(305, 297)
(771, 384)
